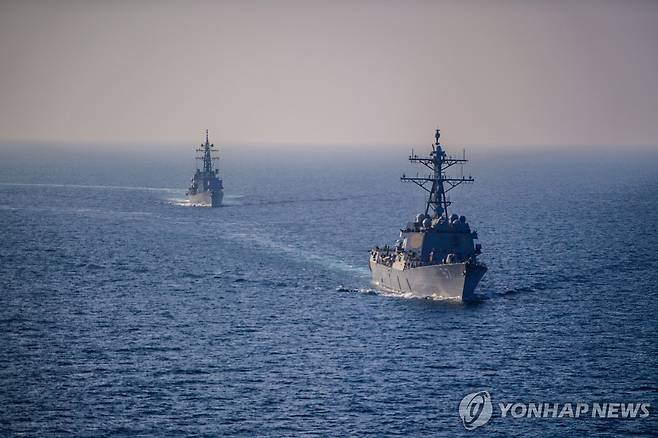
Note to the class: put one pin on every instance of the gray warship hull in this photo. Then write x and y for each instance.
(207, 199)
(436, 254)
(451, 281)
(206, 188)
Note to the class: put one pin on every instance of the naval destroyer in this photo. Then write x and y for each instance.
(206, 188)
(436, 255)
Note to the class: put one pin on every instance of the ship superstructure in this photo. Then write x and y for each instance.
(206, 188)
(436, 255)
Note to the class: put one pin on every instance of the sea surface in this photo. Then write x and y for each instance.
(126, 312)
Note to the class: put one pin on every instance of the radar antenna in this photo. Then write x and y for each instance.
(438, 162)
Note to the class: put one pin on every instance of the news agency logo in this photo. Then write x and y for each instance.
(475, 410)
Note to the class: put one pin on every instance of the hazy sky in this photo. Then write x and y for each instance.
(330, 72)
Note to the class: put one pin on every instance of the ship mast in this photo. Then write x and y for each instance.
(207, 157)
(438, 162)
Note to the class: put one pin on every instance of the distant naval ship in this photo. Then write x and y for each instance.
(206, 188)
(436, 256)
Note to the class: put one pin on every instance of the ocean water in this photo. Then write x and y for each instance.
(126, 312)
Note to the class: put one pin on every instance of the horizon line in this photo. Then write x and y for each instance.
(310, 146)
